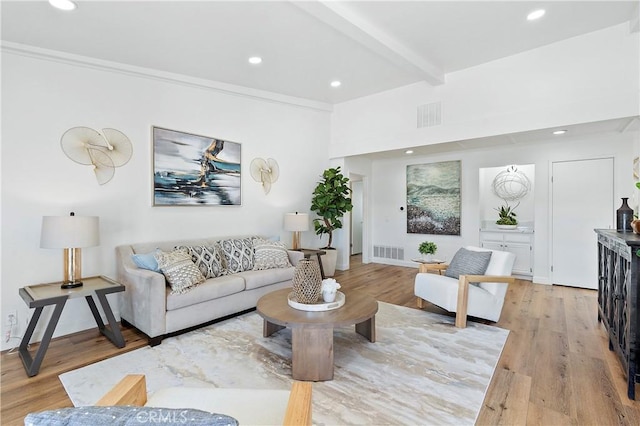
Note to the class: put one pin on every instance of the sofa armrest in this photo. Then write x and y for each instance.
(144, 301)
(295, 256)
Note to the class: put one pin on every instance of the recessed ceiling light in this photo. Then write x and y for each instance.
(559, 132)
(335, 83)
(409, 151)
(63, 4)
(255, 60)
(536, 14)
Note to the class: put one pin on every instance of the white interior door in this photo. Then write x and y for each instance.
(582, 200)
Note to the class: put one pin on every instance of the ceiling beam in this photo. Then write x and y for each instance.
(349, 23)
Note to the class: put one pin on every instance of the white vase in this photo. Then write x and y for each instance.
(329, 295)
(427, 257)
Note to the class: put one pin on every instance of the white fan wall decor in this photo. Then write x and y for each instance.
(265, 171)
(104, 151)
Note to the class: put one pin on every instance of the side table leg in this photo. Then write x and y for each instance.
(112, 333)
(32, 365)
(320, 264)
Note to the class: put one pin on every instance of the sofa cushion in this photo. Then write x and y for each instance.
(146, 261)
(213, 288)
(208, 259)
(269, 255)
(125, 416)
(257, 279)
(181, 273)
(468, 262)
(238, 254)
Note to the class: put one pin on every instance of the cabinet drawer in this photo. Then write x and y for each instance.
(491, 236)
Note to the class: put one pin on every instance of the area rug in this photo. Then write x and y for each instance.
(421, 369)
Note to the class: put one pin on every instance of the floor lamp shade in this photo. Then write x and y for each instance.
(70, 233)
(296, 222)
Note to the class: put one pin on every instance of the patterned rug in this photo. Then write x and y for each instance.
(421, 369)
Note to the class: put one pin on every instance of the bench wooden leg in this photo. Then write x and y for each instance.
(463, 299)
(420, 302)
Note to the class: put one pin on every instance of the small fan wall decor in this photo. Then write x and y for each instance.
(104, 151)
(265, 171)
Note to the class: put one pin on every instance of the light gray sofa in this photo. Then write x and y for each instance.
(148, 305)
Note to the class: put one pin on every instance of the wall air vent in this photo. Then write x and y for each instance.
(385, 252)
(430, 115)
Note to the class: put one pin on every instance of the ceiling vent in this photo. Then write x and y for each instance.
(430, 115)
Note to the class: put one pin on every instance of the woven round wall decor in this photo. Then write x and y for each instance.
(307, 281)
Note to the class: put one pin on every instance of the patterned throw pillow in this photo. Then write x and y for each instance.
(238, 254)
(180, 271)
(468, 262)
(208, 259)
(269, 255)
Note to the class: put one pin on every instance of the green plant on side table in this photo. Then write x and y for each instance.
(507, 215)
(330, 201)
(427, 249)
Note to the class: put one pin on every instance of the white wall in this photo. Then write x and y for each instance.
(389, 191)
(41, 99)
(588, 78)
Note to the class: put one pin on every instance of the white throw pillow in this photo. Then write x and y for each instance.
(270, 255)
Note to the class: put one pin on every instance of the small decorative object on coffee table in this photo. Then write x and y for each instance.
(307, 281)
(329, 289)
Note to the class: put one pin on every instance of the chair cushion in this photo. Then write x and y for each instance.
(468, 262)
(126, 416)
(213, 288)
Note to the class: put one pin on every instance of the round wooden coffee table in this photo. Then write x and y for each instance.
(312, 332)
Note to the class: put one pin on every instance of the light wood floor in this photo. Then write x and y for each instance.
(555, 369)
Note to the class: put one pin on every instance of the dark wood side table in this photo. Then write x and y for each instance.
(310, 252)
(41, 295)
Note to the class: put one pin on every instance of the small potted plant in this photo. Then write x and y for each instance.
(507, 217)
(427, 249)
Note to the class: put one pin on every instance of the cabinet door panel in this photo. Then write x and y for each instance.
(522, 264)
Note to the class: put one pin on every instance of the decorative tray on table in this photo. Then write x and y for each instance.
(318, 306)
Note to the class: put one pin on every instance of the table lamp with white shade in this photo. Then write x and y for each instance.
(296, 222)
(70, 233)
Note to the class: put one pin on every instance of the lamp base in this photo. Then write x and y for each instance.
(71, 284)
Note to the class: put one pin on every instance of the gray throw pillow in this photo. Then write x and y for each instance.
(468, 262)
(126, 416)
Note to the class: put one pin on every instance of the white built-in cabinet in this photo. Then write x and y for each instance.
(516, 242)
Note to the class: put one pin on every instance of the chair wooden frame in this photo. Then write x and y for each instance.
(132, 390)
(463, 293)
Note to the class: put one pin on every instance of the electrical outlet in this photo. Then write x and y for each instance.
(12, 318)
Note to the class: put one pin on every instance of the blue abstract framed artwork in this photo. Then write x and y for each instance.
(433, 198)
(194, 170)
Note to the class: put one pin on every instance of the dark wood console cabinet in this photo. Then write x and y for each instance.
(619, 299)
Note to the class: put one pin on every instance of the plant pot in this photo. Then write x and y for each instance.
(507, 226)
(329, 261)
(427, 257)
(635, 226)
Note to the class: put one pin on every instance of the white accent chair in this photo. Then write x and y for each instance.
(484, 300)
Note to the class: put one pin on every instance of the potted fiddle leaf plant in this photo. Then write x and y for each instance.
(330, 201)
(427, 249)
